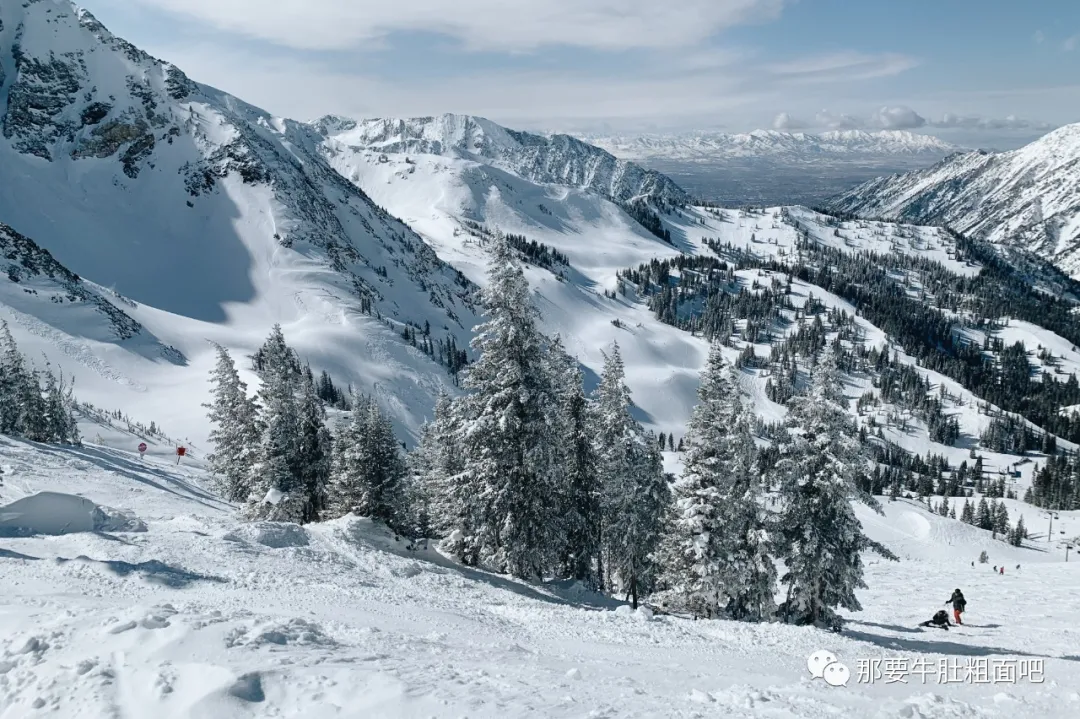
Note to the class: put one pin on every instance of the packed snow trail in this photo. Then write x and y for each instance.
(201, 616)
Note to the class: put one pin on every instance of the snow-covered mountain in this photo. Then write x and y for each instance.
(556, 159)
(202, 219)
(1029, 197)
(775, 145)
(207, 219)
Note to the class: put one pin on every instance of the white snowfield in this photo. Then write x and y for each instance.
(201, 617)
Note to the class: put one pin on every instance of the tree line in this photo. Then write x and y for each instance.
(527, 474)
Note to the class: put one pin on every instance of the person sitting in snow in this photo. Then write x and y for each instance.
(939, 620)
(958, 604)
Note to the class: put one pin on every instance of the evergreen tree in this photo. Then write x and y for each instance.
(368, 476)
(36, 425)
(1001, 519)
(634, 491)
(968, 514)
(717, 549)
(277, 493)
(578, 462)
(440, 504)
(1018, 534)
(983, 518)
(236, 432)
(821, 540)
(313, 451)
(943, 508)
(508, 433)
(13, 381)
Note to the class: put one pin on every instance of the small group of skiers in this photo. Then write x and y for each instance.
(941, 618)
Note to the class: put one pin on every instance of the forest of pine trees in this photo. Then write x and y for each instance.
(525, 473)
(34, 404)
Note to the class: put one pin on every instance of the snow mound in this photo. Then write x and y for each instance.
(276, 535)
(294, 632)
(55, 513)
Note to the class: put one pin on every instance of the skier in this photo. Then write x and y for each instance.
(939, 620)
(995, 567)
(1002, 570)
(958, 604)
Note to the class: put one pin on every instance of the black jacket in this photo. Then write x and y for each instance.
(957, 600)
(941, 619)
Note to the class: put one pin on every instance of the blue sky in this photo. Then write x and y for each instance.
(984, 72)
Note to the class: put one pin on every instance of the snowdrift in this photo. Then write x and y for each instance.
(57, 513)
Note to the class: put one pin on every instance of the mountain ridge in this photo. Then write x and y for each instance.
(1028, 197)
(556, 159)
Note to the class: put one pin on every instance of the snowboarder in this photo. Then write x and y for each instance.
(1002, 570)
(958, 604)
(939, 620)
(995, 567)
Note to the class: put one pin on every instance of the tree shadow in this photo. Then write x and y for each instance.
(9, 554)
(152, 571)
(365, 532)
(942, 647)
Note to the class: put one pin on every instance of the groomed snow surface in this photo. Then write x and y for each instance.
(201, 616)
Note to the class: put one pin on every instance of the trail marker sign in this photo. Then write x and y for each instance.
(142, 449)
(180, 452)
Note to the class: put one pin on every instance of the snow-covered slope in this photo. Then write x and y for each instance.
(558, 159)
(1029, 197)
(189, 618)
(212, 218)
(774, 145)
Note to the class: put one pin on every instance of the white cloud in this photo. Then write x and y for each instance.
(1038, 37)
(1071, 43)
(786, 122)
(842, 65)
(479, 24)
(834, 121)
(976, 122)
(897, 118)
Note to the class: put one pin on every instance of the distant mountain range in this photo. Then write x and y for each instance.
(788, 147)
(1029, 197)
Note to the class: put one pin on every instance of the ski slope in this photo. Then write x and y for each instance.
(191, 618)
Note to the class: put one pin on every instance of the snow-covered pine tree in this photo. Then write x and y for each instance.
(967, 515)
(1019, 533)
(508, 433)
(368, 473)
(983, 517)
(943, 508)
(1001, 519)
(716, 552)
(577, 461)
(36, 427)
(236, 433)
(277, 493)
(635, 495)
(13, 379)
(821, 539)
(436, 463)
(312, 461)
